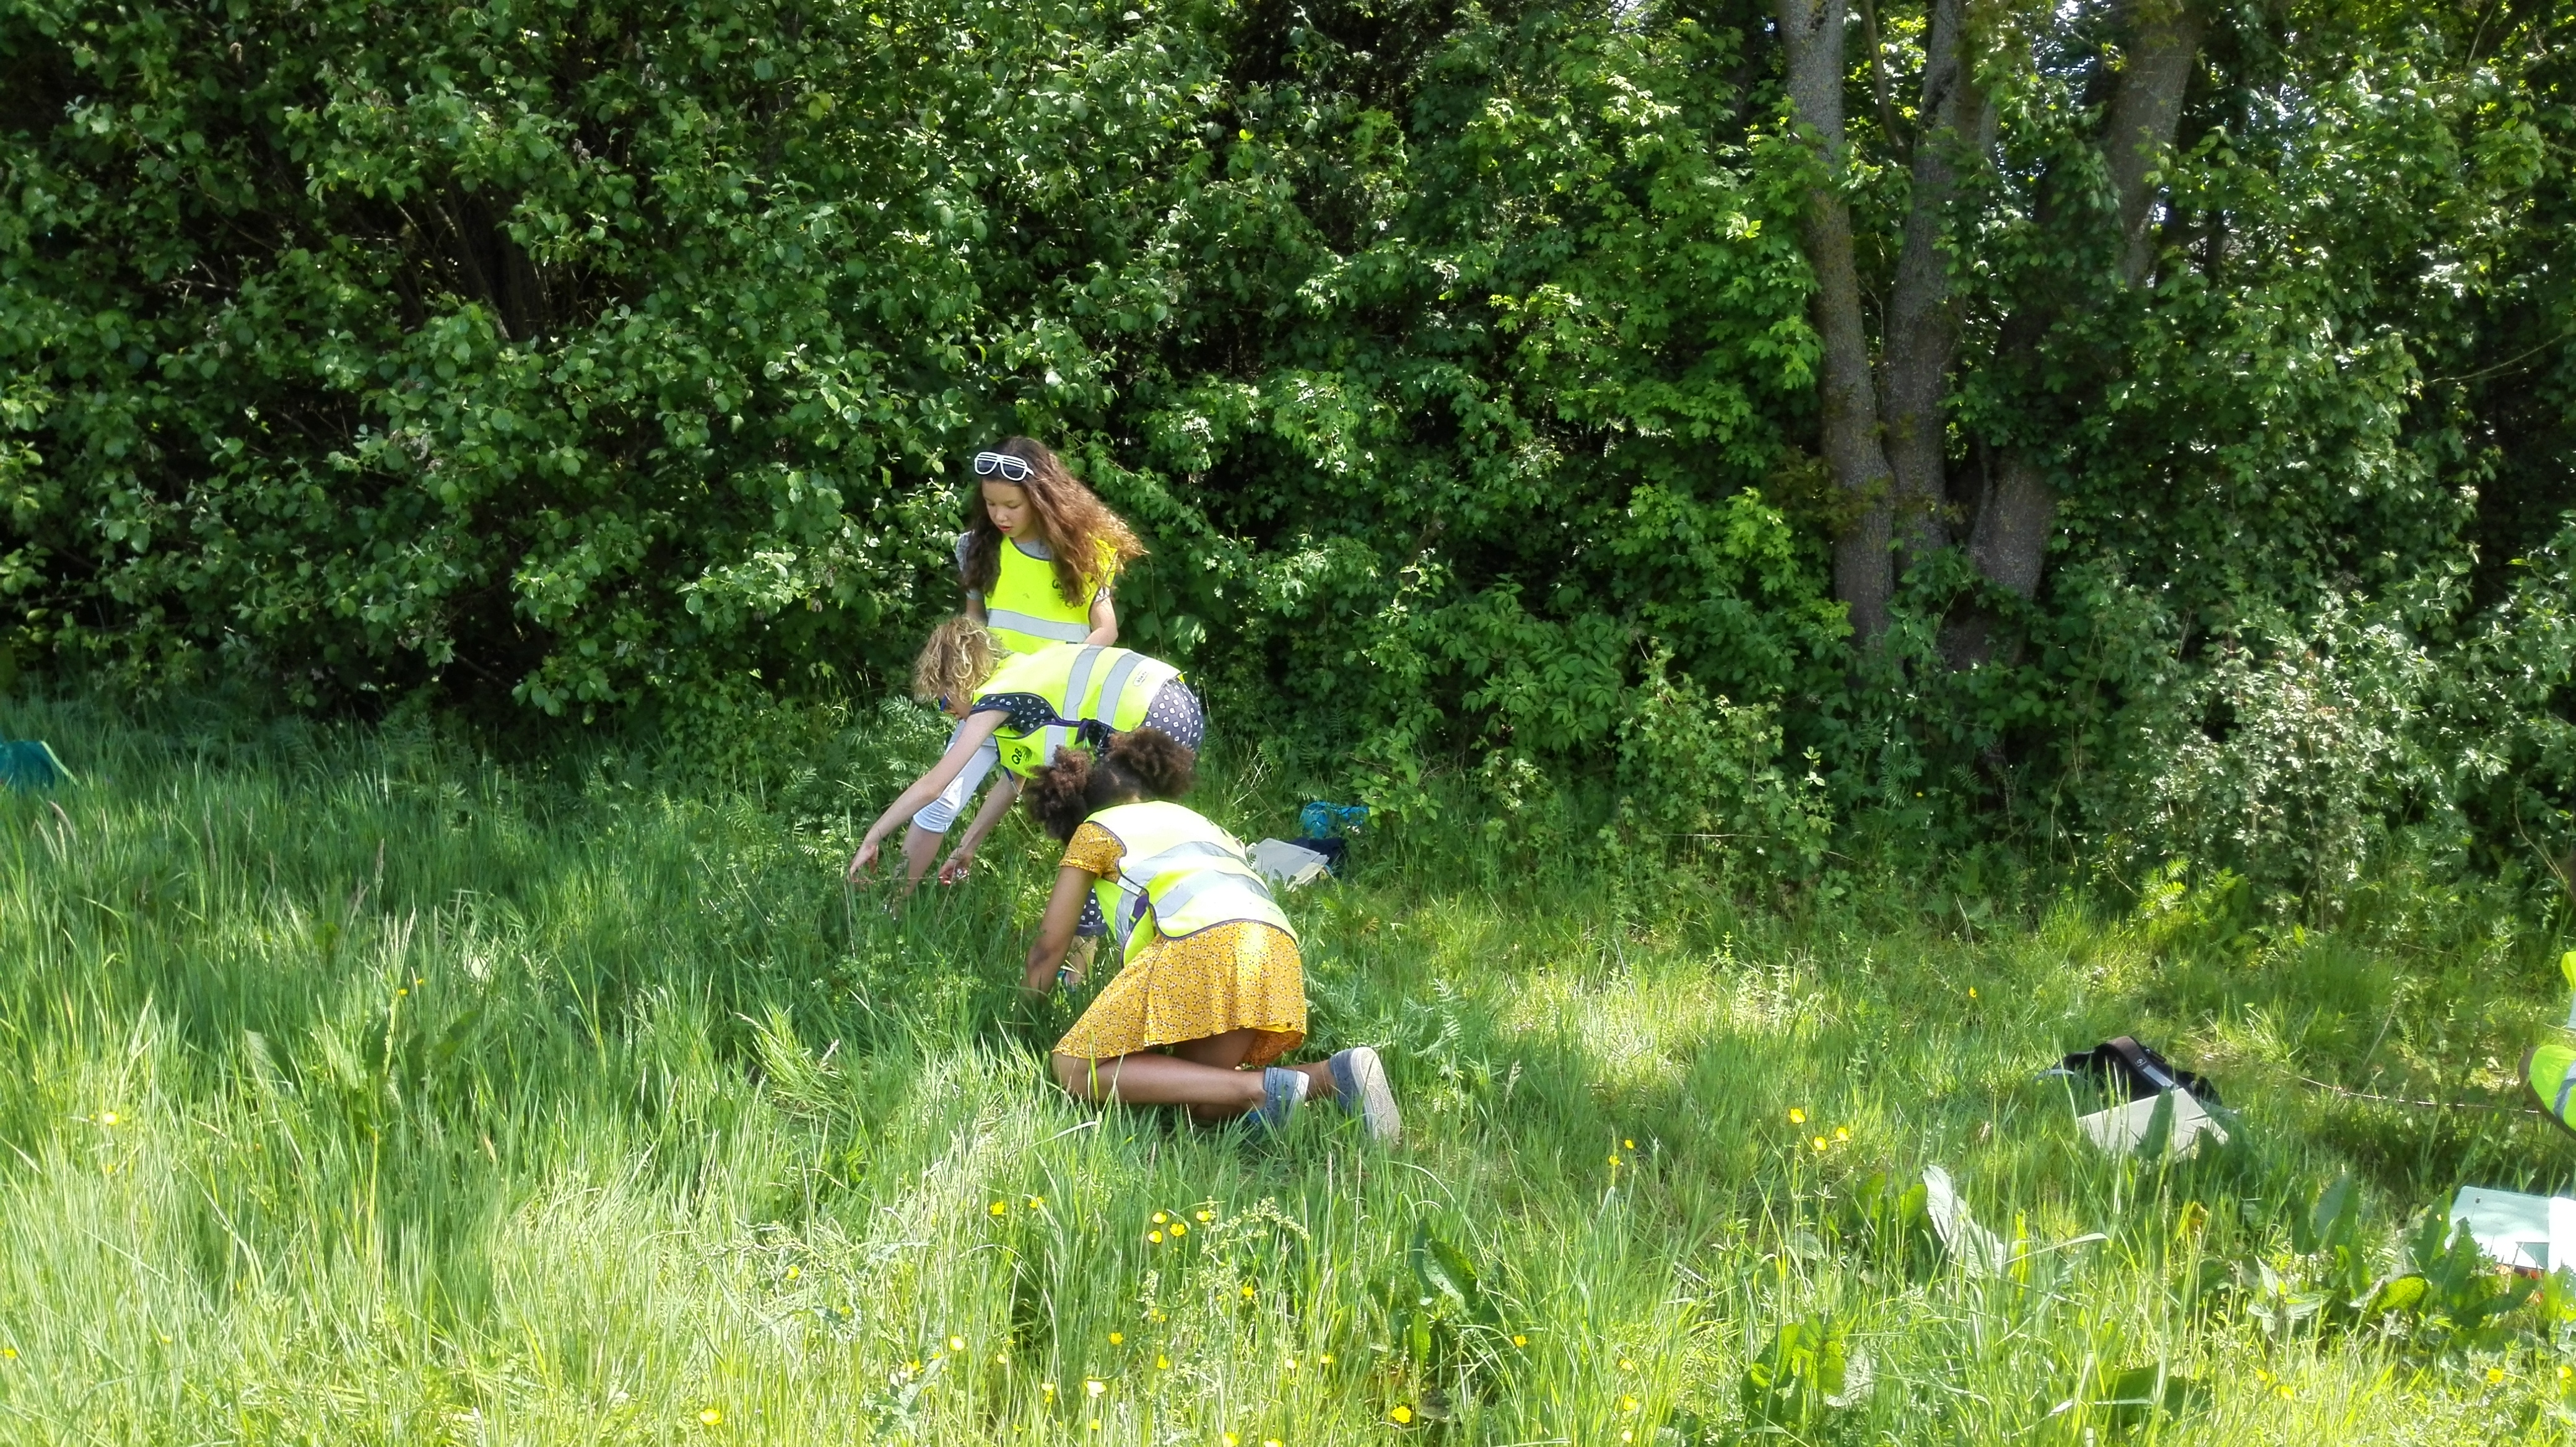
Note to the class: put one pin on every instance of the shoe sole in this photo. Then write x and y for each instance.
(1374, 1095)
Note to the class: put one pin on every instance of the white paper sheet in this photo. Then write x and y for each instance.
(2121, 1129)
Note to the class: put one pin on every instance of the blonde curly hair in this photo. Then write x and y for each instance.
(954, 663)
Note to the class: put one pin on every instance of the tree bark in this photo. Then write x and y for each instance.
(1956, 125)
(2139, 129)
(1812, 33)
(2016, 512)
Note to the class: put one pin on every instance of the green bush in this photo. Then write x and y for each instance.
(601, 361)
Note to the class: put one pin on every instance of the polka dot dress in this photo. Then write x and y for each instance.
(1175, 710)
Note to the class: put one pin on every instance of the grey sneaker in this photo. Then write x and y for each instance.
(1282, 1091)
(1360, 1083)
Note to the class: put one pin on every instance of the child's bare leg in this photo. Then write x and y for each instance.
(1227, 1050)
(920, 851)
(1200, 1075)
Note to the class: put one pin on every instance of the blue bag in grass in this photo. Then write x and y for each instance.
(31, 764)
(1320, 820)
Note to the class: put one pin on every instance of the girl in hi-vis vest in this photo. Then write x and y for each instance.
(1208, 969)
(1021, 707)
(1037, 560)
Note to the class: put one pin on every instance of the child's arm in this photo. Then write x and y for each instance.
(1104, 620)
(979, 727)
(961, 856)
(1055, 928)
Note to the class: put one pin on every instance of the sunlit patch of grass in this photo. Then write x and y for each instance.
(356, 1088)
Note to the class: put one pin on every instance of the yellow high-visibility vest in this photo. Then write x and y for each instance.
(1024, 612)
(1177, 874)
(1081, 682)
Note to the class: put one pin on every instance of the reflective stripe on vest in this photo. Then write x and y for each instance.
(1019, 632)
(1063, 675)
(1178, 874)
(1024, 612)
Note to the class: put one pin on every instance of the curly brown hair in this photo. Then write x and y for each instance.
(1144, 763)
(1090, 542)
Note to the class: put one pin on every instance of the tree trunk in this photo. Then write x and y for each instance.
(2017, 509)
(1956, 125)
(2139, 129)
(1812, 33)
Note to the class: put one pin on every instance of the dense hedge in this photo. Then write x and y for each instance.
(581, 359)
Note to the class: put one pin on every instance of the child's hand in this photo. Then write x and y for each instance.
(862, 862)
(955, 866)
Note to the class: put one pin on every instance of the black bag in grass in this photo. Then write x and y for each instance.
(2132, 1069)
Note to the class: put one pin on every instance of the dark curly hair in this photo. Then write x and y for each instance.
(1144, 763)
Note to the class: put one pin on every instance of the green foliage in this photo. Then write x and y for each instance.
(1704, 775)
(1810, 1370)
(596, 361)
(381, 1091)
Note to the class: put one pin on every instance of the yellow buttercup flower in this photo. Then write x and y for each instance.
(1160, 1218)
(1519, 1340)
(1154, 1236)
(710, 1417)
(1797, 1116)
(107, 1117)
(999, 1208)
(1162, 1363)
(1400, 1414)
(1206, 1216)
(1094, 1386)
(1037, 1203)
(1626, 1365)
(1627, 1404)
(1842, 1132)
(1324, 1360)
(2495, 1374)
(1627, 1145)
(1180, 1228)
(1118, 1338)
(1247, 1293)
(957, 1343)
(1820, 1142)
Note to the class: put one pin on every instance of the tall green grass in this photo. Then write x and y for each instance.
(356, 1088)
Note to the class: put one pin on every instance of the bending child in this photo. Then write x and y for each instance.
(1020, 708)
(1211, 971)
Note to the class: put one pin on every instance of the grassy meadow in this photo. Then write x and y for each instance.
(355, 1087)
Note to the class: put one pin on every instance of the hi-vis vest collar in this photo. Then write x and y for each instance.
(1085, 683)
(1024, 612)
(1177, 874)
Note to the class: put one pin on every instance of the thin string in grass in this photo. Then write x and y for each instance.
(2350, 1094)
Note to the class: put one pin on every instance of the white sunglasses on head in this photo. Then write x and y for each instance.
(1012, 469)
